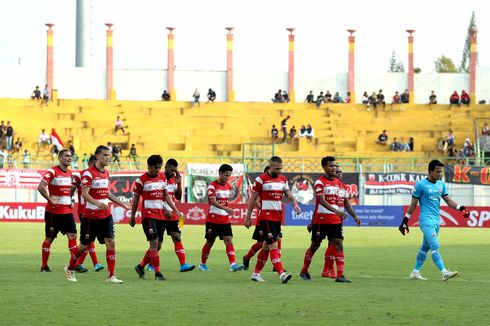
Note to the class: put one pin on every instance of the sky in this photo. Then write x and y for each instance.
(260, 36)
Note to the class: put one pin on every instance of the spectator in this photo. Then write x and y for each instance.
(485, 131)
(278, 97)
(432, 98)
(36, 94)
(274, 133)
(468, 149)
(302, 131)
(71, 148)
(450, 138)
(372, 100)
(17, 145)
(465, 98)
(284, 127)
(347, 98)
(46, 95)
(451, 152)
(396, 99)
(9, 135)
(395, 145)
(408, 146)
(328, 97)
(116, 154)
(211, 95)
(380, 99)
(3, 131)
(293, 133)
(310, 133)
(411, 144)
(319, 99)
(382, 138)
(109, 145)
(454, 99)
(43, 140)
(365, 98)
(3, 157)
(54, 152)
(442, 146)
(309, 98)
(26, 159)
(165, 96)
(285, 96)
(119, 126)
(337, 98)
(133, 156)
(85, 161)
(405, 97)
(196, 95)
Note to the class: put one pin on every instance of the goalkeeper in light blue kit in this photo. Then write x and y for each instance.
(429, 192)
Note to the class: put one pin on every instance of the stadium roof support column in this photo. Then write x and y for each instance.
(110, 92)
(49, 58)
(230, 93)
(171, 65)
(410, 66)
(292, 97)
(473, 32)
(352, 72)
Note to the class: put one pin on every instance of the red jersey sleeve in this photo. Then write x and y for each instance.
(318, 187)
(257, 187)
(87, 179)
(138, 187)
(211, 192)
(48, 176)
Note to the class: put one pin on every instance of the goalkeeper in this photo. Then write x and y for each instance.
(429, 192)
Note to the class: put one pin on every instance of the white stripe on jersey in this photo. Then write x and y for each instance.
(61, 181)
(93, 207)
(100, 184)
(152, 186)
(154, 204)
(273, 186)
(323, 210)
(62, 200)
(271, 205)
(217, 211)
(331, 190)
(223, 194)
(167, 206)
(258, 179)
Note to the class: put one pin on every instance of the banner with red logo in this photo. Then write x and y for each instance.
(20, 178)
(479, 217)
(391, 183)
(467, 174)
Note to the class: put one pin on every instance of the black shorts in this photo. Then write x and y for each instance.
(91, 228)
(258, 234)
(155, 228)
(54, 223)
(214, 230)
(330, 231)
(271, 231)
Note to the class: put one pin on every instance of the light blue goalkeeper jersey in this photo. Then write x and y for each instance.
(429, 195)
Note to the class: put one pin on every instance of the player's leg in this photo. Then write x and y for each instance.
(420, 259)
(230, 249)
(50, 235)
(210, 235)
(105, 233)
(330, 261)
(274, 254)
(174, 231)
(335, 234)
(316, 240)
(262, 257)
(432, 234)
(258, 236)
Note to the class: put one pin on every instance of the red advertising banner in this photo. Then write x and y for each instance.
(20, 178)
(479, 217)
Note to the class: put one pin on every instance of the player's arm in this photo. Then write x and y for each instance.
(134, 208)
(292, 200)
(44, 192)
(257, 203)
(116, 200)
(321, 200)
(214, 202)
(88, 198)
(251, 204)
(170, 203)
(178, 191)
(351, 211)
(451, 203)
(404, 225)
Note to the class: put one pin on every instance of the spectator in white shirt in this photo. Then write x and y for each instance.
(43, 140)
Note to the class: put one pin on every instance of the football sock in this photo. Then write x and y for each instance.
(420, 259)
(276, 261)
(437, 259)
(72, 244)
(230, 252)
(279, 245)
(110, 256)
(261, 260)
(329, 258)
(81, 258)
(155, 260)
(205, 253)
(74, 258)
(339, 258)
(180, 252)
(93, 253)
(307, 261)
(253, 250)
(146, 258)
(45, 251)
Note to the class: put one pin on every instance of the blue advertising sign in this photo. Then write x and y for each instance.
(369, 215)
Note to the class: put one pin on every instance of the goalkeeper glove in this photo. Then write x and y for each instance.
(404, 226)
(466, 213)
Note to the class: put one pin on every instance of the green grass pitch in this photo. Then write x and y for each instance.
(378, 261)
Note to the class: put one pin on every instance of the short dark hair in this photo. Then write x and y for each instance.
(433, 164)
(276, 159)
(172, 162)
(101, 148)
(327, 159)
(62, 152)
(225, 168)
(266, 169)
(154, 160)
(92, 159)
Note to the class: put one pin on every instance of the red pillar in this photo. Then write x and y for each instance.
(230, 93)
(49, 59)
(351, 72)
(110, 92)
(291, 65)
(410, 66)
(473, 66)
(171, 65)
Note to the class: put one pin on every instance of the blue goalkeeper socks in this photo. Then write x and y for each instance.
(437, 259)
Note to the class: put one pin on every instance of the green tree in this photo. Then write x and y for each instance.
(445, 64)
(394, 64)
(465, 61)
(417, 70)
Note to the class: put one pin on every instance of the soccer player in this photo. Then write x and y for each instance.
(429, 192)
(151, 187)
(270, 187)
(77, 185)
(58, 216)
(218, 219)
(97, 221)
(174, 190)
(327, 223)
